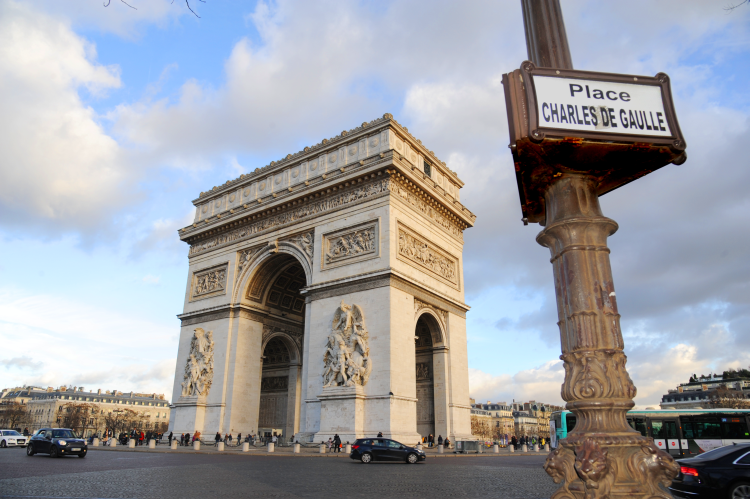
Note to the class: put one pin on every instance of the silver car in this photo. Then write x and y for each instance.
(11, 438)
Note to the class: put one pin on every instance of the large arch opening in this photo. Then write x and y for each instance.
(424, 346)
(273, 292)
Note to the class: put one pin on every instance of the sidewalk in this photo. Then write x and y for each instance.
(288, 451)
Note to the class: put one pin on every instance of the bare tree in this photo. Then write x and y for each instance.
(187, 2)
(13, 415)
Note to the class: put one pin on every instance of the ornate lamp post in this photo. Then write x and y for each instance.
(562, 167)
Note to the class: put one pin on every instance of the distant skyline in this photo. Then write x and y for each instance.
(115, 119)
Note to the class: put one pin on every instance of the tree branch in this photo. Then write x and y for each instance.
(123, 1)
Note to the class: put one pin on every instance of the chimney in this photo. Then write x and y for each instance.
(99, 391)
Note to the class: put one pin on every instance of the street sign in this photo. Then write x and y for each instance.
(614, 127)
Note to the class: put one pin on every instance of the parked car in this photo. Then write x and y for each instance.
(11, 438)
(57, 442)
(384, 449)
(720, 473)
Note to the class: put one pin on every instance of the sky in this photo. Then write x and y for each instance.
(114, 118)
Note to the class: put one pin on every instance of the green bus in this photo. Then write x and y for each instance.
(681, 432)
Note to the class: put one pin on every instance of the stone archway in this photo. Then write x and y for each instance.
(272, 292)
(425, 378)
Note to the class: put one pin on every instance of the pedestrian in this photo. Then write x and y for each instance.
(239, 438)
(447, 443)
(380, 434)
(187, 439)
(329, 444)
(141, 437)
(337, 442)
(440, 440)
(170, 438)
(217, 439)
(514, 442)
(26, 432)
(430, 440)
(274, 439)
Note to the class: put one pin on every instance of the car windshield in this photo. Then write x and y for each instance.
(718, 453)
(13, 433)
(63, 434)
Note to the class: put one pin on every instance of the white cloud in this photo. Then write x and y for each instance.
(60, 169)
(65, 340)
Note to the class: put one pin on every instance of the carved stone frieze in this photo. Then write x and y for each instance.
(423, 371)
(351, 244)
(346, 361)
(274, 384)
(209, 282)
(596, 374)
(342, 197)
(425, 255)
(305, 242)
(419, 305)
(245, 256)
(199, 368)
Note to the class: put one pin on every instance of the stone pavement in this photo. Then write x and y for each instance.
(127, 473)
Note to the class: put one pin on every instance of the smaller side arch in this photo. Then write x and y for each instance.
(434, 322)
(291, 345)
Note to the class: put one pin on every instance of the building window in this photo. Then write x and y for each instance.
(427, 169)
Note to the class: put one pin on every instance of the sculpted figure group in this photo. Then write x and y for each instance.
(347, 356)
(199, 369)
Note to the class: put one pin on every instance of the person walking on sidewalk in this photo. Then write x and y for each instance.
(337, 442)
(217, 439)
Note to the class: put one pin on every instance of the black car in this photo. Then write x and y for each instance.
(384, 449)
(718, 473)
(57, 442)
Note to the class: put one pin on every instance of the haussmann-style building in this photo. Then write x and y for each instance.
(325, 296)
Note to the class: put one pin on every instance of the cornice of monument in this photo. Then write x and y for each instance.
(426, 191)
(344, 138)
(371, 178)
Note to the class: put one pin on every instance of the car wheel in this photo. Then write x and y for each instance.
(3, 444)
(53, 452)
(366, 458)
(30, 450)
(740, 491)
(412, 459)
(82, 455)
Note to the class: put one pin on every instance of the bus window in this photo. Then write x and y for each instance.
(733, 428)
(639, 425)
(657, 430)
(688, 431)
(706, 430)
(570, 422)
(670, 429)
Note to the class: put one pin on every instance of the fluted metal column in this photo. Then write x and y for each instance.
(603, 457)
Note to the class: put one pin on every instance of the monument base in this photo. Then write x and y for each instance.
(342, 412)
(189, 414)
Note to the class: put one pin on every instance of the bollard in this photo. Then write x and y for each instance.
(322, 448)
(440, 449)
(245, 446)
(496, 449)
(152, 444)
(546, 447)
(197, 445)
(131, 443)
(95, 442)
(348, 448)
(296, 448)
(270, 446)
(524, 448)
(480, 448)
(113, 442)
(173, 445)
(220, 446)
(419, 446)
(511, 448)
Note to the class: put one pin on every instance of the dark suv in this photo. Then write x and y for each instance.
(384, 449)
(57, 442)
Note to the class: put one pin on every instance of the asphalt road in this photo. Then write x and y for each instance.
(104, 474)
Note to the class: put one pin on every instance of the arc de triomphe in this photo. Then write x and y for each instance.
(325, 295)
